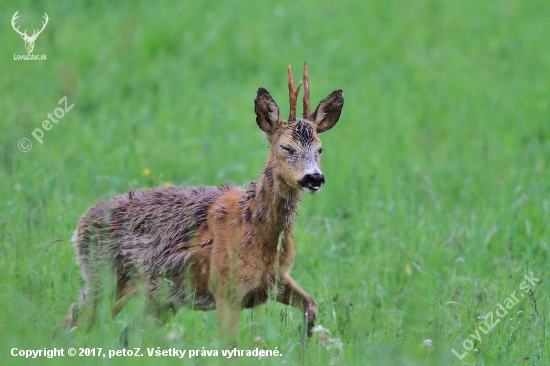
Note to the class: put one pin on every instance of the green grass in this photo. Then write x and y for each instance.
(437, 198)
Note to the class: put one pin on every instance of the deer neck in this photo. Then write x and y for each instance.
(271, 202)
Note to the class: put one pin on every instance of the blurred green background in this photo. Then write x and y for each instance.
(437, 197)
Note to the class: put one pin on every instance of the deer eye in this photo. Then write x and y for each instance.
(288, 150)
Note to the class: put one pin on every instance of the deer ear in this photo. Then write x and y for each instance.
(328, 112)
(267, 111)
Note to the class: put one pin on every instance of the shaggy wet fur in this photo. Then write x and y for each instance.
(151, 232)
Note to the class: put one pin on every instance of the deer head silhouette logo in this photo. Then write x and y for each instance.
(29, 40)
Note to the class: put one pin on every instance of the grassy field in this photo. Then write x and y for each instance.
(437, 199)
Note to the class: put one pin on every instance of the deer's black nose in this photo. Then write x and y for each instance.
(312, 181)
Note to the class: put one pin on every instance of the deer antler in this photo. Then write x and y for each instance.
(43, 26)
(13, 19)
(306, 93)
(24, 34)
(293, 95)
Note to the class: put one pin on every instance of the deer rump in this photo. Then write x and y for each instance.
(157, 237)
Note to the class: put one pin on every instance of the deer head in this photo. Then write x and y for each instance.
(29, 40)
(295, 145)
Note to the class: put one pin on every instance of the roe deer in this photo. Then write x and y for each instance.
(214, 247)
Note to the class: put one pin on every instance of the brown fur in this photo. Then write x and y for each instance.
(209, 247)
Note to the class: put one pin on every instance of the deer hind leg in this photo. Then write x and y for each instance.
(90, 297)
(161, 311)
(156, 307)
(125, 290)
(158, 304)
(68, 323)
(84, 311)
(89, 239)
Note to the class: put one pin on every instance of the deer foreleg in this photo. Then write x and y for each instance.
(228, 320)
(291, 294)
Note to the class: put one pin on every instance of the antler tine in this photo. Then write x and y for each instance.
(293, 95)
(46, 18)
(43, 24)
(13, 19)
(306, 93)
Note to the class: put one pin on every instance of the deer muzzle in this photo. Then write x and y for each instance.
(312, 183)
